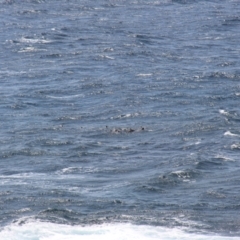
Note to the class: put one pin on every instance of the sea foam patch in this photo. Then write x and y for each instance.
(51, 231)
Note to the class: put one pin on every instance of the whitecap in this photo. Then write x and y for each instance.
(66, 97)
(30, 49)
(70, 169)
(224, 158)
(24, 210)
(223, 112)
(183, 175)
(74, 170)
(23, 175)
(12, 73)
(144, 74)
(235, 146)
(127, 115)
(27, 49)
(106, 57)
(228, 133)
(119, 231)
(33, 40)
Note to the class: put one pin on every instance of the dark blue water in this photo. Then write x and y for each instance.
(116, 112)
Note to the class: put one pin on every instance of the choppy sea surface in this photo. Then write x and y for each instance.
(119, 119)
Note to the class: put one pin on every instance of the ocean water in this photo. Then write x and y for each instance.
(119, 119)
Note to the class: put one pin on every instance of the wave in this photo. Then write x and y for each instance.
(31, 40)
(119, 231)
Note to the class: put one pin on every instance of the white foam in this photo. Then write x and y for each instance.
(235, 146)
(50, 231)
(223, 112)
(33, 40)
(23, 175)
(228, 133)
(224, 158)
(127, 115)
(27, 49)
(107, 57)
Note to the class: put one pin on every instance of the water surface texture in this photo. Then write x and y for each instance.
(119, 116)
